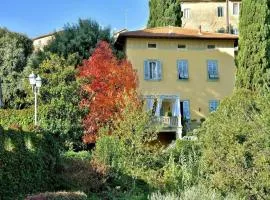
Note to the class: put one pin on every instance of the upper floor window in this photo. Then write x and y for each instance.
(182, 67)
(220, 12)
(152, 70)
(152, 45)
(236, 8)
(186, 13)
(211, 46)
(213, 105)
(212, 69)
(181, 46)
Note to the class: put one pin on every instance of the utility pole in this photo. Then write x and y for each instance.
(227, 17)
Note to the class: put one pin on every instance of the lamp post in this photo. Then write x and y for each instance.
(35, 82)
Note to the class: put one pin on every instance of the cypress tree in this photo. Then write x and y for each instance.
(164, 13)
(253, 60)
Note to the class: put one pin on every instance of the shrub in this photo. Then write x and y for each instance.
(194, 193)
(181, 169)
(79, 173)
(235, 146)
(59, 196)
(28, 163)
(23, 118)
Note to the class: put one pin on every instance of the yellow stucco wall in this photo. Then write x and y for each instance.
(197, 89)
(205, 14)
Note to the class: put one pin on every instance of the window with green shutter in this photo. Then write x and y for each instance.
(152, 70)
(182, 67)
(212, 69)
(213, 104)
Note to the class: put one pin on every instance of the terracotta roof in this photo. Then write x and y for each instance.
(171, 32)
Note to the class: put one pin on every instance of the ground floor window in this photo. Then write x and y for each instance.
(213, 104)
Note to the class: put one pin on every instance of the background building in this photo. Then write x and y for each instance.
(211, 15)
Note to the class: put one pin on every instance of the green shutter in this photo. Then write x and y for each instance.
(159, 70)
(146, 70)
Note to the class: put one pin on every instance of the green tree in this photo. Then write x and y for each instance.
(14, 50)
(235, 146)
(254, 46)
(78, 39)
(61, 98)
(164, 13)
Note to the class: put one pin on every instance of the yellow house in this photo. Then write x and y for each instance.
(183, 73)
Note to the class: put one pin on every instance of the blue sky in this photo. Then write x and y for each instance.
(37, 17)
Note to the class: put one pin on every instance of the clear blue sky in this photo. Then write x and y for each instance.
(37, 17)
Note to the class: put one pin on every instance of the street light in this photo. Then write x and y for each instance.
(35, 82)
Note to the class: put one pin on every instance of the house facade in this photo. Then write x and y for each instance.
(183, 73)
(40, 42)
(211, 15)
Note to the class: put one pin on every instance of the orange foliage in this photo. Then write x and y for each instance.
(107, 79)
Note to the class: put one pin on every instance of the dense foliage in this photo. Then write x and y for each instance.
(106, 79)
(254, 46)
(164, 13)
(15, 49)
(21, 118)
(132, 149)
(235, 146)
(79, 39)
(60, 93)
(28, 163)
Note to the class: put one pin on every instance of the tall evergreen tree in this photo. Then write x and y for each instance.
(164, 13)
(253, 60)
(15, 50)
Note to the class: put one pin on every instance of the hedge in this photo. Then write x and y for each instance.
(28, 163)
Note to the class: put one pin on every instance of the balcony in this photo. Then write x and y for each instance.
(168, 122)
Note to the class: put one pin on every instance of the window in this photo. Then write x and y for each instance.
(152, 45)
(220, 12)
(152, 70)
(186, 13)
(181, 46)
(235, 31)
(212, 69)
(182, 67)
(186, 110)
(236, 7)
(211, 46)
(213, 104)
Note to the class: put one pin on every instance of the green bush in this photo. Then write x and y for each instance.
(10, 117)
(59, 196)
(79, 173)
(28, 163)
(235, 146)
(131, 150)
(194, 193)
(181, 169)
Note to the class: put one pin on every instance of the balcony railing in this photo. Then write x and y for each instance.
(168, 122)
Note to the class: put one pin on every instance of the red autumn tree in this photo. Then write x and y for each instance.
(107, 79)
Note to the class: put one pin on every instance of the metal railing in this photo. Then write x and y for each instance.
(165, 121)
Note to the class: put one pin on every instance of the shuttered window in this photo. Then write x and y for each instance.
(213, 104)
(152, 70)
(182, 67)
(186, 110)
(212, 69)
(220, 12)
